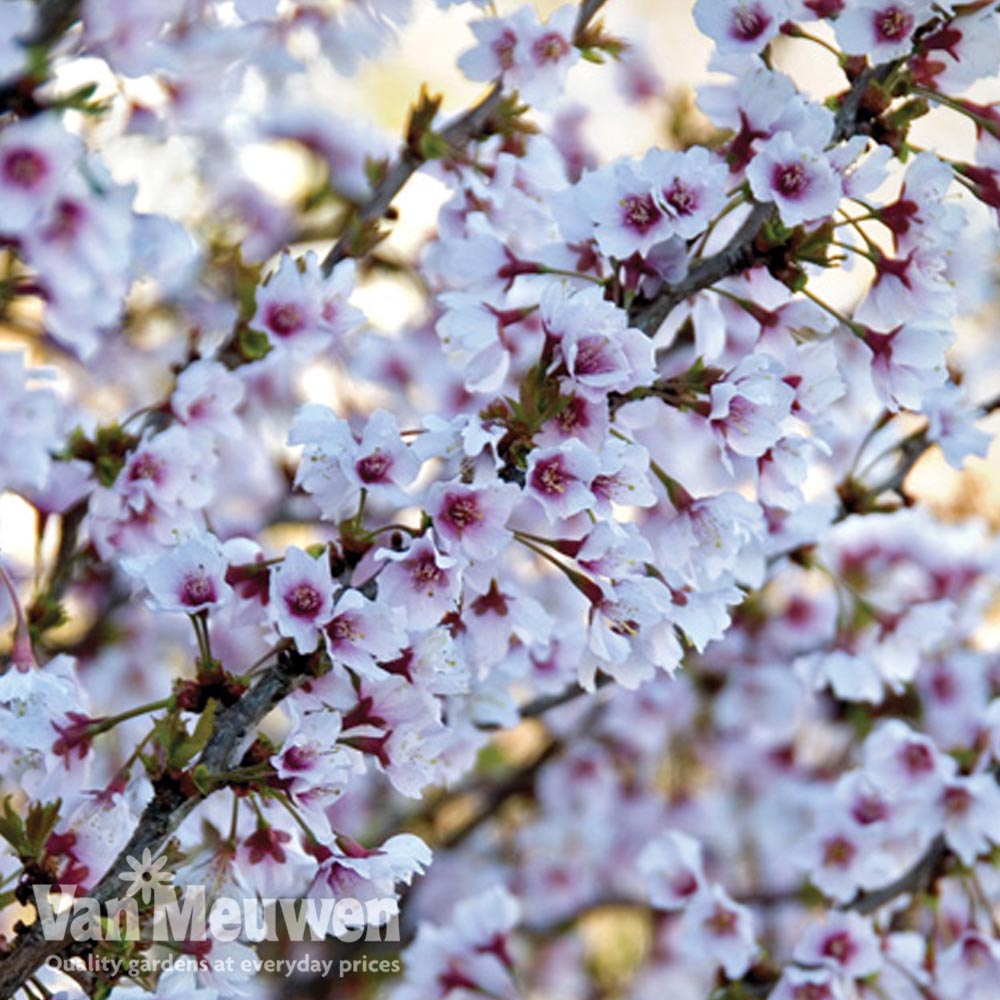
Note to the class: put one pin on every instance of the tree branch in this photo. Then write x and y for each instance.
(467, 127)
(918, 878)
(168, 807)
(855, 498)
(53, 18)
(738, 254)
(587, 13)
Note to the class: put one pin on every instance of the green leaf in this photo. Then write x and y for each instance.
(203, 780)
(28, 836)
(185, 750)
(12, 829)
(38, 62)
(491, 759)
(253, 345)
(107, 469)
(41, 821)
(422, 116)
(432, 146)
(375, 170)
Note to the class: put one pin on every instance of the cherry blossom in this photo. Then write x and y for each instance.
(301, 597)
(336, 467)
(846, 942)
(689, 187)
(749, 405)
(621, 203)
(300, 311)
(35, 157)
(471, 521)
(355, 872)
(808, 984)
(740, 26)
(30, 424)
(190, 578)
(883, 29)
(562, 523)
(713, 925)
(360, 633)
(206, 398)
(968, 809)
(420, 581)
(560, 479)
(468, 954)
(672, 865)
(799, 181)
(534, 57)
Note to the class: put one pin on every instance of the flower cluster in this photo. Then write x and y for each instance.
(563, 548)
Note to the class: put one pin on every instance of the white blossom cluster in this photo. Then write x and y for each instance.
(632, 481)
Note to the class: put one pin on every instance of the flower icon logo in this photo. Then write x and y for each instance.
(148, 878)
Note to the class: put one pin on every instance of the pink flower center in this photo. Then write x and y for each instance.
(791, 179)
(869, 809)
(304, 600)
(462, 512)
(197, 589)
(749, 22)
(917, 759)
(812, 991)
(957, 802)
(344, 629)
(573, 416)
(298, 759)
(741, 412)
(841, 947)
(373, 468)
(684, 884)
(503, 49)
(838, 852)
(591, 357)
(550, 48)
(24, 168)
(943, 685)
(682, 199)
(722, 921)
(550, 477)
(284, 318)
(426, 574)
(893, 24)
(146, 466)
(627, 627)
(639, 212)
(67, 221)
(976, 954)
(602, 486)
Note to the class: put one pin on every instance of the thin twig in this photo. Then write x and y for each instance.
(468, 126)
(738, 254)
(472, 124)
(167, 809)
